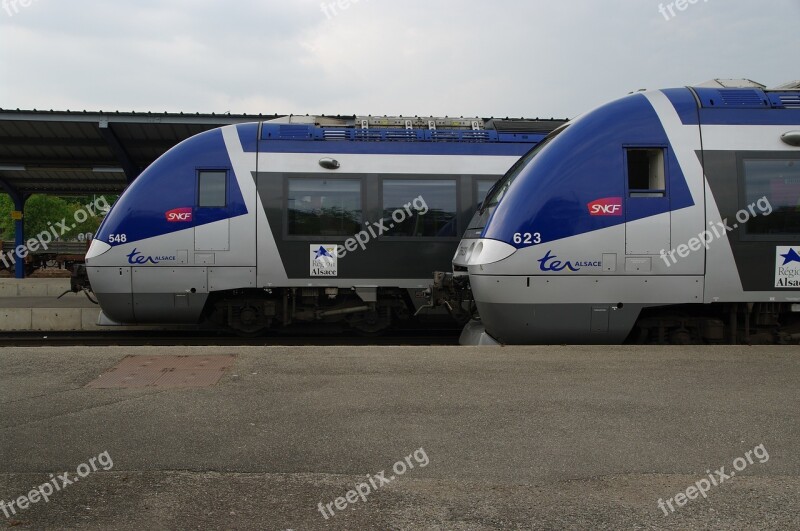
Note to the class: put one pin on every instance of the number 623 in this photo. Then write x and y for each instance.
(527, 238)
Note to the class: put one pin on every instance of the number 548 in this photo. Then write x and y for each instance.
(527, 238)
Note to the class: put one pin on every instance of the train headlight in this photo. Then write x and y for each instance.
(97, 248)
(489, 252)
(469, 252)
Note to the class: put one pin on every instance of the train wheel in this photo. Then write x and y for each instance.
(249, 321)
(680, 336)
(372, 323)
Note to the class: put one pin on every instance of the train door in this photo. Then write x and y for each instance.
(212, 196)
(226, 209)
(647, 202)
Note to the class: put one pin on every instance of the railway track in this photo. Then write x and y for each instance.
(447, 336)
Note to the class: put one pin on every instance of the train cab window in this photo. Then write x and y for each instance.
(420, 207)
(646, 174)
(777, 180)
(324, 207)
(483, 188)
(212, 188)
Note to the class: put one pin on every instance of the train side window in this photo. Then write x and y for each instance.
(212, 188)
(777, 180)
(646, 172)
(420, 207)
(324, 207)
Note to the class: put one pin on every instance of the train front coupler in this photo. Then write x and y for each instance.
(452, 292)
(79, 282)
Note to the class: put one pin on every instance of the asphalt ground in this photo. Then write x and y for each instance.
(486, 438)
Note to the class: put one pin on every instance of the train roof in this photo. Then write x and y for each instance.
(747, 94)
(407, 129)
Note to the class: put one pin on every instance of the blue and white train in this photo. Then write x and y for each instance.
(670, 216)
(299, 219)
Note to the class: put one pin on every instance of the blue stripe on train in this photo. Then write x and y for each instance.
(171, 183)
(586, 162)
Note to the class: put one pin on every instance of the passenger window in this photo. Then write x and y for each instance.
(646, 173)
(324, 207)
(420, 207)
(779, 182)
(212, 189)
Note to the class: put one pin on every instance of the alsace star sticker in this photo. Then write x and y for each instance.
(791, 256)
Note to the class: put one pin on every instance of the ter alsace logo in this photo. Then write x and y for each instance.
(608, 206)
(180, 215)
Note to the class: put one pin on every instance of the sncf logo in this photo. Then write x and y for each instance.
(180, 215)
(608, 206)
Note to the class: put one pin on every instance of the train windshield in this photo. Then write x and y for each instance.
(498, 191)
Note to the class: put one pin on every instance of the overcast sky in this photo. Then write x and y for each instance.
(415, 57)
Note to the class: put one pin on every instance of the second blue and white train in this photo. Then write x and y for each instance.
(668, 216)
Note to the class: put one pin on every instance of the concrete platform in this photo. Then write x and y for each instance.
(72, 312)
(33, 287)
(49, 320)
(70, 300)
(32, 305)
(515, 438)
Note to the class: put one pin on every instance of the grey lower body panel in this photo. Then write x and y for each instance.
(117, 307)
(152, 308)
(574, 309)
(168, 308)
(536, 324)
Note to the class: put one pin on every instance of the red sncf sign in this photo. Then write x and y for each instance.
(608, 206)
(179, 215)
